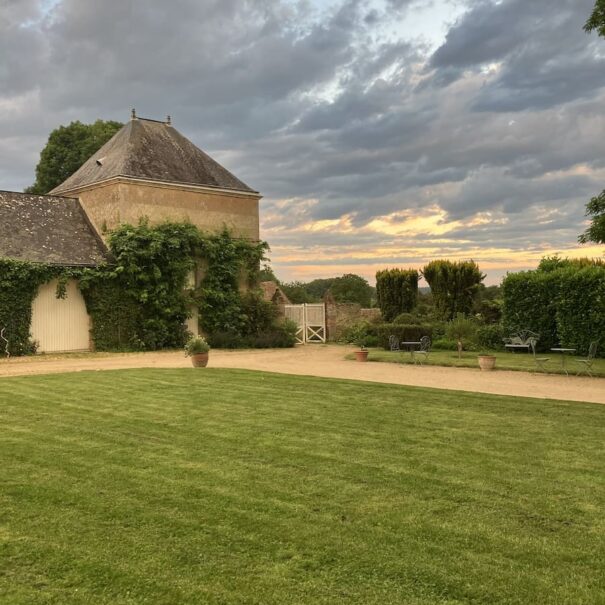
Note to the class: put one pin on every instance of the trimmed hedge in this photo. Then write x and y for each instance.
(530, 303)
(581, 308)
(454, 285)
(564, 306)
(396, 291)
(403, 332)
(279, 336)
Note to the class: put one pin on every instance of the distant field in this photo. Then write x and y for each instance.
(504, 361)
(234, 487)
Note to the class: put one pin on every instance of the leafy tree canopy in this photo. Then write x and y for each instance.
(266, 274)
(296, 291)
(348, 288)
(68, 147)
(318, 287)
(352, 288)
(553, 263)
(595, 209)
(596, 20)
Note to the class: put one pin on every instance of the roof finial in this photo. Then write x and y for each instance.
(168, 120)
(133, 114)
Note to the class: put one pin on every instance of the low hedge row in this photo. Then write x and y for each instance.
(403, 332)
(530, 303)
(280, 336)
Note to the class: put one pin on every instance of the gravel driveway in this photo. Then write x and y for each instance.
(328, 361)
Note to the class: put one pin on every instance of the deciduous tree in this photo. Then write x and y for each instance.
(352, 288)
(68, 147)
(596, 21)
(596, 231)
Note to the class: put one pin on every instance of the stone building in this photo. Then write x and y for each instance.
(147, 170)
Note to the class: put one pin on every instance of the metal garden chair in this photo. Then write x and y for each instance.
(394, 343)
(539, 361)
(422, 354)
(586, 364)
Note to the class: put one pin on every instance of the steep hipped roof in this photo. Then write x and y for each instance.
(49, 229)
(152, 150)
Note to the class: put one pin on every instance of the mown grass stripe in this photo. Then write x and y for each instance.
(223, 486)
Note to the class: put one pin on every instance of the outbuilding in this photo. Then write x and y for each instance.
(146, 170)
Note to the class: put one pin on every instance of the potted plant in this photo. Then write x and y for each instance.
(197, 348)
(487, 361)
(362, 353)
(357, 335)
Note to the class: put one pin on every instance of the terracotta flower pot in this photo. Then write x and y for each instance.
(199, 360)
(361, 355)
(487, 362)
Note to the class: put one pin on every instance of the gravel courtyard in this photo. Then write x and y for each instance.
(329, 361)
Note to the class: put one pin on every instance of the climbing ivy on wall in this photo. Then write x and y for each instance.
(140, 302)
(232, 265)
(142, 299)
(19, 283)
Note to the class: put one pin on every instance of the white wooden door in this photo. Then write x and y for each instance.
(60, 324)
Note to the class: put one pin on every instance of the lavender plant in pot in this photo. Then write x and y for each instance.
(198, 349)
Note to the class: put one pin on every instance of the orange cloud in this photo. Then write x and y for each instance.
(407, 238)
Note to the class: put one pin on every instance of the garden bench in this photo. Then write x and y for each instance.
(521, 340)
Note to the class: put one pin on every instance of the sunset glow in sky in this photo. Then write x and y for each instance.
(380, 132)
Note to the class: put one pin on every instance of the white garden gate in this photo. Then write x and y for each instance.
(311, 322)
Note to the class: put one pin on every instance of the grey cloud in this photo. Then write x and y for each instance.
(322, 106)
(485, 34)
(527, 39)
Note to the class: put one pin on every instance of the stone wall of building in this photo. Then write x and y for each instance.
(126, 201)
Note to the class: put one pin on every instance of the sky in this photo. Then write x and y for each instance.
(381, 133)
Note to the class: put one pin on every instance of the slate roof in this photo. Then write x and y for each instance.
(50, 229)
(152, 150)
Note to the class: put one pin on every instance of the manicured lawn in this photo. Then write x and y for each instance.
(234, 487)
(504, 360)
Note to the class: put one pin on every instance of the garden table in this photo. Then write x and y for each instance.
(411, 344)
(564, 351)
